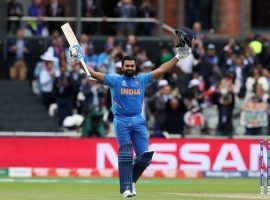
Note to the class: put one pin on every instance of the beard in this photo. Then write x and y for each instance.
(129, 73)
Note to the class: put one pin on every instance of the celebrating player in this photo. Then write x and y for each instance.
(127, 91)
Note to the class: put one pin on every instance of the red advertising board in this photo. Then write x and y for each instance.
(174, 154)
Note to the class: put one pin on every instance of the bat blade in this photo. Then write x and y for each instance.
(70, 36)
(73, 42)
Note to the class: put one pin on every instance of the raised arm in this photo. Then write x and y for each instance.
(76, 55)
(183, 49)
(165, 67)
(96, 75)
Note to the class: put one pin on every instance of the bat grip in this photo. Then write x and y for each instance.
(85, 68)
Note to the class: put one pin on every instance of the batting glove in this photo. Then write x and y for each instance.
(75, 53)
(182, 52)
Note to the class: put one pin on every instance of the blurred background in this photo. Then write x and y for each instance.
(222, 89)
(56, 122)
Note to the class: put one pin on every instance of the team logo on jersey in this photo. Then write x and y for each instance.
(137, 82)
(124, 83)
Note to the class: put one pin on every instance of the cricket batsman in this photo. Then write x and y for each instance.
(127, 92)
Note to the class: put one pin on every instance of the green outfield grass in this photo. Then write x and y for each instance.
(147, 189)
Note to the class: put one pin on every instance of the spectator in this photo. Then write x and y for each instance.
(75, 77)
(175, 109)
(84, 43)
(225, 101)
(14, 9)
(264, 56)
(209, 66)
(125, 9)
(131, 47)
(194, 121)
(157, 106)
(254, 115)
(63, 95)
(91, 58)
(86, 95)
(37, 27)
(146, 11)
(197, 29)
(232, 45)
(257, 79)
(266, 74)
(198, 41)
(241, 71)
(90, 8)
(117, 56)
(57, 47)
(118, 68)
(53, 37)
(105, 59)
(18, 54)
(63, 60)
(141, 57)
(193, 99)
(46, 78)
(151, 89)
(54, 9)
(195, 92)
(228, 55)
(110, 40)
(248, 57)
(147, 66)
(230, 83)
(93, 95)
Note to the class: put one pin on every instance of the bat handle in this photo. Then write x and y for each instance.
(85, 68)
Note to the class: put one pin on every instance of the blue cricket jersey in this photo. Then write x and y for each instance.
(127, 93)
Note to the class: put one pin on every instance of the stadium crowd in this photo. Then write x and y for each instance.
(233, 81)
(90, 8)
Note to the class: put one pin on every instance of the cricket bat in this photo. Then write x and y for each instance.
(73, 42)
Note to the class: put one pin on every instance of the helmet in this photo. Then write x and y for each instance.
(184, 36)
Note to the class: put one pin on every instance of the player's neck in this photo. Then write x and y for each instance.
(128, 77)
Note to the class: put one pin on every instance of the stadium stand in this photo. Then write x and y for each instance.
(21, 110)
